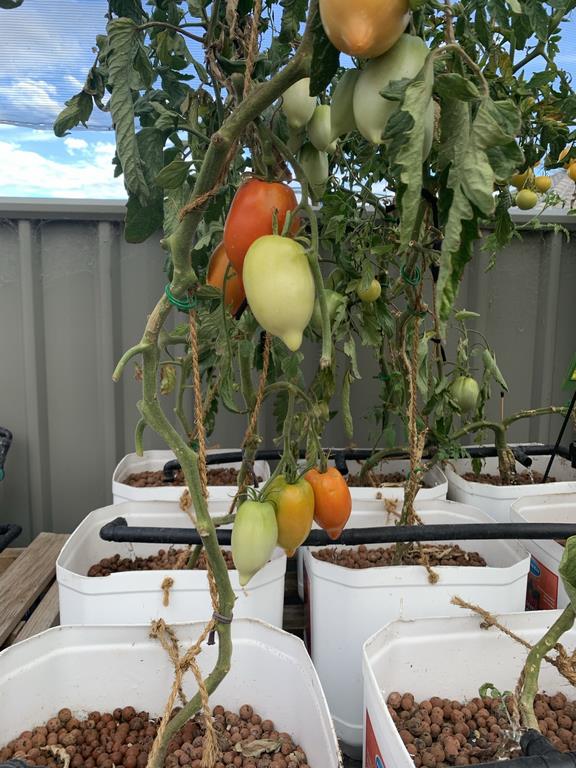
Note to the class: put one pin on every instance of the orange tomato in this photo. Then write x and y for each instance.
(364, 28)
(234, 294)
(251, 216)
(332, 500)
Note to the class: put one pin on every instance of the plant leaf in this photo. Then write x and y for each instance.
(454, 86)
(346, 409)
(122, 37)
(77, 110)
(174, 174)
(325, 60)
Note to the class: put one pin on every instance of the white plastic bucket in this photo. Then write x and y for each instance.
(447, 658)
(545, 589)
(371, 506)
(154, 461)
(496, 500)
(136, 597)
(100, 668)
(346, 606)
(435, 482)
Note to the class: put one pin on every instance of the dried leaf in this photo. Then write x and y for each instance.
(258, 747)
(60, 753)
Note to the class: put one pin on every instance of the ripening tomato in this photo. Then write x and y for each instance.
(332, 500)
(526, 199)
(364, 28)
(234, 294)
(254, 537)
(294, 503)
(251, 216)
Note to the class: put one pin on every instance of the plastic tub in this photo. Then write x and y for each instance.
(137, 597)
(448, 658)
(436, 484)
(496, 500)
(545, 589)
(100, 668)
(155, 460)
(347, 606)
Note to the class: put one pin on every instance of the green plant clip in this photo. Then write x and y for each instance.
(413, 279)
(183, 304)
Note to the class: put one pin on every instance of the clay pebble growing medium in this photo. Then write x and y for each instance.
(164, 560)
(522, 478)
(438, 732)
(156, 479)
(124, 737)
(375, 479)
(378, 557)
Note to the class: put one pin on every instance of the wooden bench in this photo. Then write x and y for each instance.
(28, 589)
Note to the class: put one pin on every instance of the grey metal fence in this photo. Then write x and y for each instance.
(73, 295)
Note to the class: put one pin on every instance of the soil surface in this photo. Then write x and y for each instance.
(427, 554)
(376, 479)
(522, 478)
(439, 732)
(163, 560)
(125, 736)
(156, 479)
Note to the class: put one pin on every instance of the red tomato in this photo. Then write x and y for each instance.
(251, 216)
(217, 266)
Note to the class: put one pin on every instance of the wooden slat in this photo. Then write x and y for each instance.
(27, 578)
(45, 615)
(8, 556)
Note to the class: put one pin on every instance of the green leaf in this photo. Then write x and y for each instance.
(174, 174)
(465, 314)
(469, 192)
(567, 569)
(407, 146)
(123, 40)
(142, 221)
(77, 110)
(515, 6)
(9, 4)
(536, 13)
(350, 352)
(294, 14)
(325, 60)
(346, 409)
(492, 369)
(454, 86)
(131, 9)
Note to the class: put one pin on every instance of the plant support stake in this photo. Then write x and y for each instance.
(560, 436)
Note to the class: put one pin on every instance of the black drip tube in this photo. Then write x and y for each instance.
(537, 752)
(118, 530)
(522, 454)
(8, 533)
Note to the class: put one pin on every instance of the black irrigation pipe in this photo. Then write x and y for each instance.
(118, 530)
(522, 454)
(8, 533)
(537, 752)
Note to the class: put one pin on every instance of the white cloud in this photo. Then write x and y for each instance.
(29, 94)
(26, 136)
(28, 174)
(73, 144)
(74, 82)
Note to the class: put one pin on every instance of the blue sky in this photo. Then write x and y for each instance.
(45, 51)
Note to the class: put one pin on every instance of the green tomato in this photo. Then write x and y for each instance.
(465, 392)
(370, 294)
(279, 287)
(254, 538)
(526, 199)
(297, 104)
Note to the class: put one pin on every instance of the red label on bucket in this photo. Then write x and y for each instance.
(372, 753)
(542, 591)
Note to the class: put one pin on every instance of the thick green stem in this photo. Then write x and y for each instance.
(314, 261)
(194, 557)
(139, 437)
(179, 407)
(528, 683)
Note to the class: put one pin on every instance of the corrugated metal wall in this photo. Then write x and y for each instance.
(74, 295)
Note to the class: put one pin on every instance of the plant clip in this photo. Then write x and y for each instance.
(185, 305)
(413, 279)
